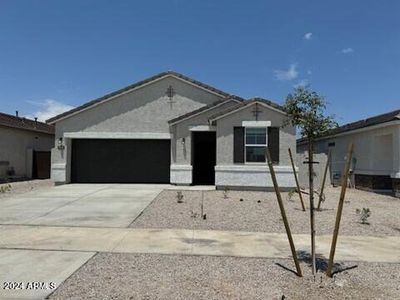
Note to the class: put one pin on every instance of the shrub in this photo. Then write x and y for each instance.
(5, 188)
(179, 197)
(364, 214)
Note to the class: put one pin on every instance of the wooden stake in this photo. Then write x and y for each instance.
(321, 195)
(283, 213)
(297, 181)
(339, 211)
(311, 196)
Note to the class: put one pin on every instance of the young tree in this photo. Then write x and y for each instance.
(306, 111)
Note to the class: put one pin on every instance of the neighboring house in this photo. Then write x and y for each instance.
(25, 147)
(376, 159)
(172, 129)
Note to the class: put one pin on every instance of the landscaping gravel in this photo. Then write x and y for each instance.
(21, 187)
(259, 211)
(150, 276)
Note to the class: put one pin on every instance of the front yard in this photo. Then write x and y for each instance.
(152, 276)
(259, 211)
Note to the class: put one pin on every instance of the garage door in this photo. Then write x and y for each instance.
(120, 161)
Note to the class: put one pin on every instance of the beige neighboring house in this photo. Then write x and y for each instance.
(376, 160)
(25, 147)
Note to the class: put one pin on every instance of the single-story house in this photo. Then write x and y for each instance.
(173, 129)
(376, 160)
(25, 148)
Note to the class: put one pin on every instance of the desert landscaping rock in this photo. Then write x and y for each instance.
(21, 187)
(252, 215)
(145, 276)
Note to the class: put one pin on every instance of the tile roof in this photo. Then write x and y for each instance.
(203, 108)
(135, 85)
(25, 124)
(248, 102)
(375, 120)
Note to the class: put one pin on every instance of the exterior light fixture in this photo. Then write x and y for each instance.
(183, 141)
(60, 145)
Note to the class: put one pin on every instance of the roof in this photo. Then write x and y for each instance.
(136, 85)
(375, 120)
(203, 108)
(247, 103)
(25, 124)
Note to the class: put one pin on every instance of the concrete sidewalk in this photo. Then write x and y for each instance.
(193, 242)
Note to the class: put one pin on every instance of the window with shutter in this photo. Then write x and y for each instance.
(273, 143)
(238, 144)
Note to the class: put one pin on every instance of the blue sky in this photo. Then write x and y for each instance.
(60, 54)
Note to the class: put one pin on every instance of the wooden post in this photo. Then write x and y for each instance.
(283, 213)
(323, 180)
(311, 196)
(297, 181)
(340, 209)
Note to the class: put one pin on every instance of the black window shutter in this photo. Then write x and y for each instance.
(238, 144)
(273, 143)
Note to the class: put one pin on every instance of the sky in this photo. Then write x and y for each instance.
(56, 55)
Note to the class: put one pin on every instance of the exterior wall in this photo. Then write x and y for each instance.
(287, 134)
(251, 174)
(376, 153)
(181, 169)
(145, 110)
(17, 147)
(318, 169)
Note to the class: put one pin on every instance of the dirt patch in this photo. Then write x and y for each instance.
(21, 187)
(150, 276)
(259, 211)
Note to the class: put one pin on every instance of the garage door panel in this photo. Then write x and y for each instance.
(120, 161)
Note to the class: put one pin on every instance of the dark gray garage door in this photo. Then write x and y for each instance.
(120, 161)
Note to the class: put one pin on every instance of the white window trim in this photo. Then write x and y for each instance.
(255, 145)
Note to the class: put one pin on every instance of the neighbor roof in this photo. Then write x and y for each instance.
(247, 103)
(25, 124)
(136, 85)
(375, 120)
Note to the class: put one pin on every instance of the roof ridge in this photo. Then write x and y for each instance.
(362, 123)
(138, 84)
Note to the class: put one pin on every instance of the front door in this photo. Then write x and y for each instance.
(204, 157)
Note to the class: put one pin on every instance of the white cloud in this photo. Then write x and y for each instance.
(308, 36)
(48, 109)
(301, 83)
(288, 74)
(347, 50)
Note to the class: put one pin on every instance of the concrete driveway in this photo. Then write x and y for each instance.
(82, 205)
(72, 206)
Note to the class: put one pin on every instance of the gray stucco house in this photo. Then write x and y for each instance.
(376, 159)
(25, 147)
(172, 129)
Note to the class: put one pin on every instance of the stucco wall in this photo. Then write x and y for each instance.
(182, 154)
(287, 135)
(143, 110)
(376, 151)
(16, 146)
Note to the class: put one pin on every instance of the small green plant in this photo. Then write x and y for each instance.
(364, 214)
(5, 188)
(179, 197)
(291, 193)
(225, 192)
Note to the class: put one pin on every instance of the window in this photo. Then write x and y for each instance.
(256, 143)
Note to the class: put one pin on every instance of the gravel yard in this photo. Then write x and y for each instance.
(259, 211)
(21, 187)
(149, 276)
